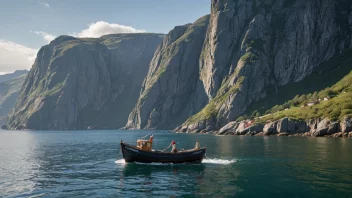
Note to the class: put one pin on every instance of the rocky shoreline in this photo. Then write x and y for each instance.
(283, 127)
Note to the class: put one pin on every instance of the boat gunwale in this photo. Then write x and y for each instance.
(178, 153)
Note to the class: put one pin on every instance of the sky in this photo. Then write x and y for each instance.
(25, 26)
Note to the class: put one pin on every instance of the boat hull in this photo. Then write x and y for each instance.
(133, 154)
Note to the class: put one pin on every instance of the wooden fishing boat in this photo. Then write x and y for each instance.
(144, 154)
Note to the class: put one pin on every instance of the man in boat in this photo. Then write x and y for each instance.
(151, 138)
(173, 144)
(174, 149)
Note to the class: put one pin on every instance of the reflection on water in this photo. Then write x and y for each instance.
(161, 179)
(86, 164)
(177, 179)
(17, 165)
(133, 169)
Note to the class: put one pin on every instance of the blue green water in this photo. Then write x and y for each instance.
(87, 164)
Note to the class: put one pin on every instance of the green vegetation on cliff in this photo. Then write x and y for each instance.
(173, 49)
(168, 96)
(214, 105)
(335, 109)
(332, 81)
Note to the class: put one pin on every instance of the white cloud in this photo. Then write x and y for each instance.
(46, 36)
(14, 56)
(44, 4)
(101, 28)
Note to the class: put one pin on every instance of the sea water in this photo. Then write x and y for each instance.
(90, 164)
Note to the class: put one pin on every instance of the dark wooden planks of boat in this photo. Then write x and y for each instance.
(134, 154)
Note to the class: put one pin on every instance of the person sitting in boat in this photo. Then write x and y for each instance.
(197, 146)
(174, 149)
(173, 144)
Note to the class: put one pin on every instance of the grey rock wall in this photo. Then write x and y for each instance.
(172, 91)
(80, 83)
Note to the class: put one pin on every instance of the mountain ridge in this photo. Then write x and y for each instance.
(202, 76)
(10, 76)
(9, 91)
(76, 83)
(282, 44)
(250, 48)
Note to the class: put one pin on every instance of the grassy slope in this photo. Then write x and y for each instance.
(214, 105)
(333, 78)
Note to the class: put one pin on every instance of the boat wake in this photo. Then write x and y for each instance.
(205, 161)
(120, 161)
(217, 161)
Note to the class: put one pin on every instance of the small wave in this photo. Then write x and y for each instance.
(217, 161)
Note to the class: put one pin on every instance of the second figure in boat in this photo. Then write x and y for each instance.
(173, 144)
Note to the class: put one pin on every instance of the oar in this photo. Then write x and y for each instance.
(147, 135)
(166, 148)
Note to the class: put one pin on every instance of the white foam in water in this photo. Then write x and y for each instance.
(120, 161)
(217, 161)
(205, 161)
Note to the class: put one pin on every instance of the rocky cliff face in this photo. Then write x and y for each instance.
(252, 46)
(9, 91)
(287, 127)
(203, 75)
(172, 90)
(76, 83)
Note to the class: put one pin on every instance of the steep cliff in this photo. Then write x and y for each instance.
(76, 83)
(254, 46)
(322, 106)
(172, 90)
(9, 91)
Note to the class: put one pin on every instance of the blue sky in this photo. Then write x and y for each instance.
(28, 25)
